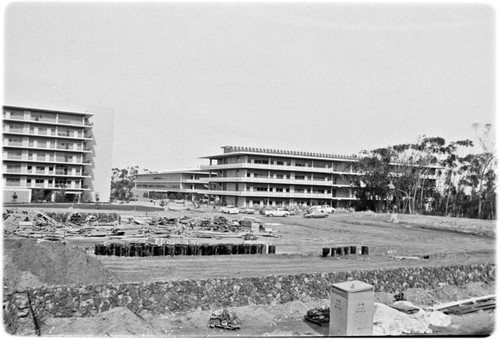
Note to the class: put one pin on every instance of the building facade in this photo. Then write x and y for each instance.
(191, 184)
(245, 176)
(48, 153)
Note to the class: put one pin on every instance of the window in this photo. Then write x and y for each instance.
(36, 116)
(299, 177)
(279, 189)
(16, 127)
(14, 154)
(13, 168)
(17, 114)
(15, 141)
(42, 130)
(41, 143)
(13, 182)
(261, 161)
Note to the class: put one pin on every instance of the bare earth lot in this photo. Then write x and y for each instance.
(444, 241)
(297, 251)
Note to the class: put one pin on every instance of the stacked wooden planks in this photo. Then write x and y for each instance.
(467, 306)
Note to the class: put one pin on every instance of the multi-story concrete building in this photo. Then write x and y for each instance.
(248, 176)
(46, 152)
(191, 183)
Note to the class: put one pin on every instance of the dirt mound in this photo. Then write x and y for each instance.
(54, 263)
(116, 322)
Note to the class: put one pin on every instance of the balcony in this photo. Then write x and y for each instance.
(46, 121)
(270, 181)
(276, 167)
(267, 194)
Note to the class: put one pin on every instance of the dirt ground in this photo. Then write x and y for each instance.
(444, 241)
(282, 320)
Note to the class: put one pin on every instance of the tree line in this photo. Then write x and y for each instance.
(430, 176)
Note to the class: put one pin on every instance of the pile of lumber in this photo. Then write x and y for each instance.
(467, 306)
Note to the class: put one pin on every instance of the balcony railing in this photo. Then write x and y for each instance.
(276, 167)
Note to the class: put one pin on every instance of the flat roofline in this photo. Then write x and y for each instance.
(240, 150)
(353, 159)
(47, 110)
(179, 171)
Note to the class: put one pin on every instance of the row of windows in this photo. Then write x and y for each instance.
(59, 157)
(43, 130)
(58, 183)
(166, 186)
(47, 117)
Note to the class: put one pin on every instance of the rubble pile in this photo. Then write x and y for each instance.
(57, 226)
(319, 316)
(223, 319)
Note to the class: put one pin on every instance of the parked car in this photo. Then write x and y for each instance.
(229, 209)
(246, 211)
(316, 214)
(323, 208)
(276, 213)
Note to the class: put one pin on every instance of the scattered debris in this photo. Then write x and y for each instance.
(399, 297)
(390, 321)
(223, 319)
(57, 226)
(467, 306)
(319, 316)
(405, 307)
(406, 257)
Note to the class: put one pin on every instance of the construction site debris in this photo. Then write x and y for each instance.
(319, 316)
(405, 307)
(179, 249)
(344, 250)
(389, 321)
(467, 306)
(58, 226)
(224, 319)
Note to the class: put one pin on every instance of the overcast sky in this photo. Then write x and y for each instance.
(186, 79)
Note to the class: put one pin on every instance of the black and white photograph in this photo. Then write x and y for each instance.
(237, 169)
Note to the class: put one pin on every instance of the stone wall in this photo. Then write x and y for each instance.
(209, 294)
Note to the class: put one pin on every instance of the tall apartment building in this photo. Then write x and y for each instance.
(246, 176)
(46, 152)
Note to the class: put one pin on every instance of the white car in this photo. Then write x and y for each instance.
(246, 211)
(277, 213)
(229, 209)
(323, 208)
